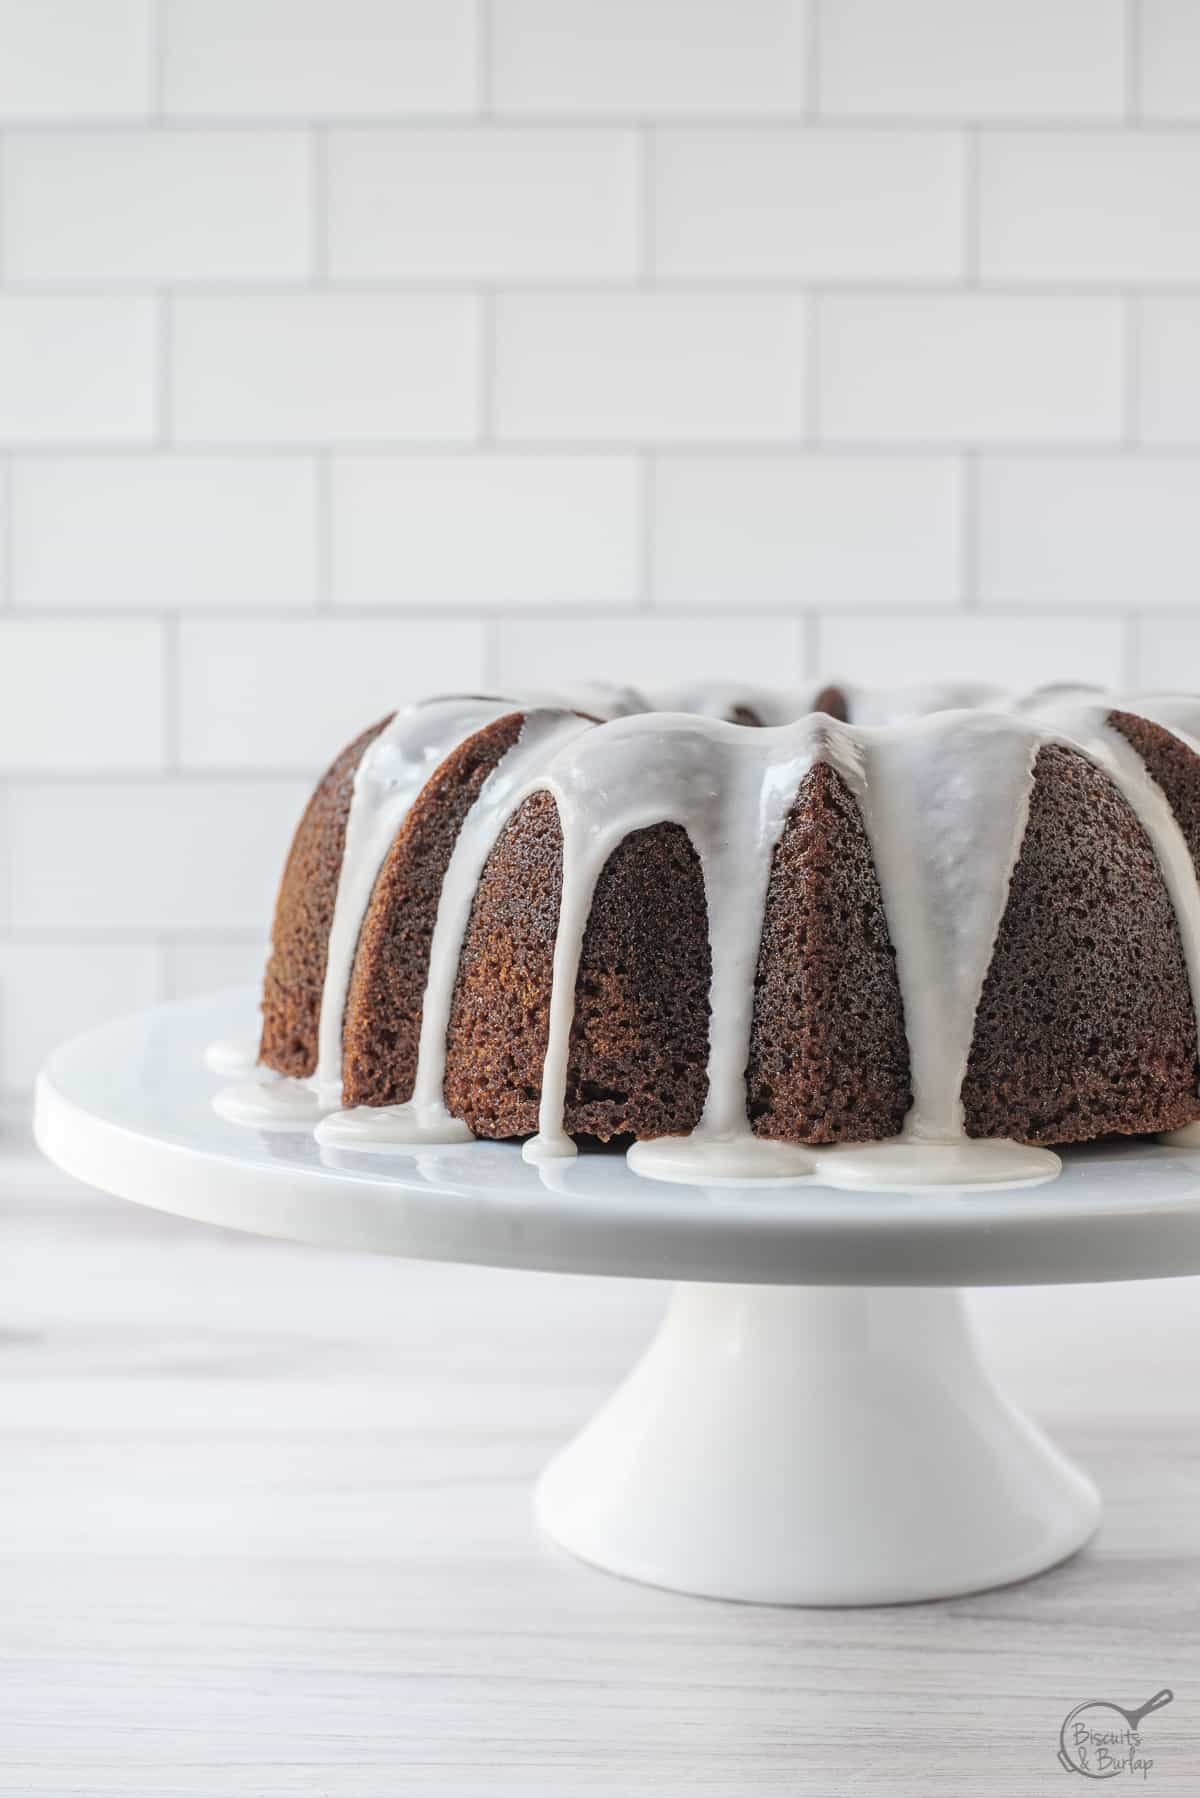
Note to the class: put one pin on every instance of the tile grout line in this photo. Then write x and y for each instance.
(610, 614)
(794, 119)
(240, 936)
(128, 776)
(802, 444)
(750, 287)
(798, 445)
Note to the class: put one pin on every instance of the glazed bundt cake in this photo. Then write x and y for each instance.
(754, 933)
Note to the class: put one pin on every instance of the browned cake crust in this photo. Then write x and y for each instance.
(382, 1024)
(500, 1015)
(639, 1041)
(833, 702)
(1085, 1027)
(291, 1002)
(1173, 765)
(828, 1054)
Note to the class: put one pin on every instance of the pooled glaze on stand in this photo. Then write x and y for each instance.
(271, 1104)
(229, 1057)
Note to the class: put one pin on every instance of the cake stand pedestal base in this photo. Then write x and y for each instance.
(819, 1446)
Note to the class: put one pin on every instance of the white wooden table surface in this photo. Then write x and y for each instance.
(265, 1530)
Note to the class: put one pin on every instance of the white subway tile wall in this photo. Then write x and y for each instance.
(338, 675)
(1167, 373)
(311, 59)
(796, 205)
(650, 58)
(351, 349)
(970, 368)
(141, 856)
(323, 368)
(70, 60)
(550, 651)
(973, 59)
(154, 206)
(50, 679)
(541, 530)
(466, 203)
(1169, 59)
(1088, 530)
(164, 534)
(807, 531)
(1094, 207)
(650, 367)
(1046, 647)
(77, 369)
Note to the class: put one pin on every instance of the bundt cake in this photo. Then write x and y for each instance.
(893, 939)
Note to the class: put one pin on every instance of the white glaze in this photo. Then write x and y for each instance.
(1176, 712)
(425, 1118)
(389, 1127)
(731, 788)
(390, 776)
(897, 1165)
(231, 1058)
(944, 802)
(944, 797)
(271, 1104)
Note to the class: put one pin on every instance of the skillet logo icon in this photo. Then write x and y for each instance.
(1101, 1739)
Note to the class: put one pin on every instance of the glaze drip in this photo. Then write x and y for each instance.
(425, 1118)
(386, 783)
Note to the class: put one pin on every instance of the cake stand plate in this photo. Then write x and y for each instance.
(811, 1425)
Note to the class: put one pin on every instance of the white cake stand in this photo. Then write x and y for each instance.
(812, 1423)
